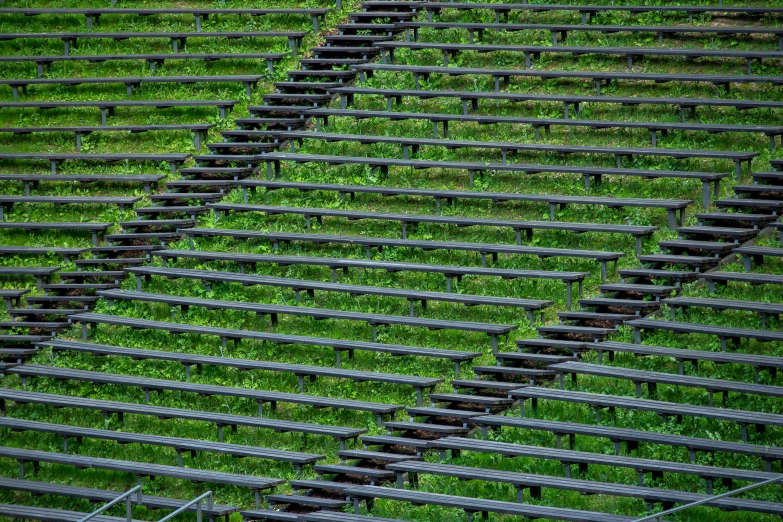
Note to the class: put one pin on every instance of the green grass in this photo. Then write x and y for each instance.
(434, 178)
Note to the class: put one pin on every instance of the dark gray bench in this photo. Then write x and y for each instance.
(535, 483)
(273, 160)
(598, 77)
(652, 379)
(763, 309)
(66, 253)
(405, 219)
(178, 38)
(770, 131)
(32, 180)
(758, 362)
(153, 60)
(220, 419)
(473, 506)
(672, 206)
(103, 496)
(93, 14)
(756, 254)
(249, 81)
(299, 370)
(7, 202)
(335, 263)
(588, 11)
(535, 51)
(657, 468)
(664, 409)
(27, 371)
(23, 512)
(180, 445)
(12, 296)
(40, 273)
(199, 130)
(631, 437)
(368, 242)
(96, 229)
(108, 108)
(225, 334)
(723, 333)
(54, 160)
(139, 469)
(300, 285)
(562, 30)
(273, 311)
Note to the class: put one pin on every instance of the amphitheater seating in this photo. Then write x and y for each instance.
(560, 31)
(28, 371)
(220, 419)
(249, 81)
(598, 78)
(665, 409)
(367, 242)
(420, 384)
(770, 131)
(92, 15)
(672, 207)
(273, 160)
(339, 345)
(723, 333)
(299, 285)
(535, 51)
(334, 264)
(149, 181)
(108, 108)
(57, 159)
(101, 495)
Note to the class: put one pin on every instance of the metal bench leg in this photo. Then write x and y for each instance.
(705, 194)
(671, 218)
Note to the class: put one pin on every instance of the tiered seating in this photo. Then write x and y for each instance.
(296, 153)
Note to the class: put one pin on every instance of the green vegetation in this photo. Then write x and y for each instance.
(440, 179)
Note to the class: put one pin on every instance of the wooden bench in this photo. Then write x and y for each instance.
(535, 483)
(473, 506)
(665, 409)
(178, 38)
(631, 437)
(763, 309)
(221, 420)
(139, 469)
(199, 130)
(108, 108)
(562, 30)
(149, 181)
(225, 334)
(153, 60)
(180, 445)
(301, 371)
(587, 12)
(273, 160)
(652, 379)
(405, 219)
(7, 202)
(103, 496)
(27, 371)
(174, 160)
(249, 81)
(300, 285)
(368, 242)
(493, 330)
(40, 273)
(93, 14)
(535, 51)
(335, 263)
(22, 512)
(758, 362)
(770, 131)
(672, 207)
(657, 468)
(597, 77)
(11, 297)
(756, 254)
(723, 333)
